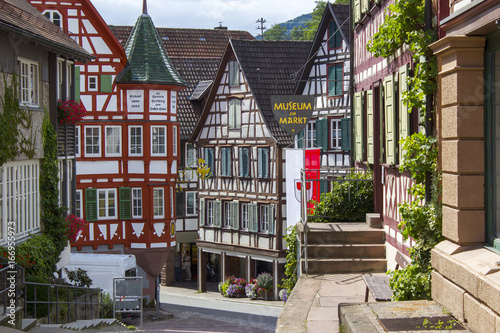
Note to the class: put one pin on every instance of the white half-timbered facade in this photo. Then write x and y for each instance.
(242, 199)
(326, 77)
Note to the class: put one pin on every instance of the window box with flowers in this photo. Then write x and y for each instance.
(70, 112)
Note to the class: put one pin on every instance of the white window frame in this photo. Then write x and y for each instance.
(136, 202)
(210, 212)
(77, 141)
(158, 203)
(191, 197)
(98, 144)
(52, 19)
(227, 214)
(336, 134)
(29, 82)
(109, 206)
(234, 113)
(191, 155)
(113, 141)
(19, 199)
(264, 218)
(60, 81)
(92, 84)
(245, 215)
(132, 140)
(174, 143)
(156, 137)
(310, 135)
(79, 203)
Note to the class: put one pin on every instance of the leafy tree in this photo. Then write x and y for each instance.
(297, 33)
(312, 25)
(277, 32)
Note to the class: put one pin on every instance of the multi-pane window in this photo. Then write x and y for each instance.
(335, 80)
(234, 113)
(137, 202)
(263, 162)
(336, 134)
(191, 202)
(210, 212)
(158, 203)
(244, 161)
(310, 137)
(77, 141)
(267, 218)
(227, 214)
(92, 141)
(209, 158)
(135, 140)
(158, 140)
(28, 83)
(64, 79)
(190, 155)
(226, 162)
(106, 203)
(19, 198)
(113, 140)
(234, 74)
(174, 144)
(245, 217)
(78, 203)
(54, 16)
(92, 83)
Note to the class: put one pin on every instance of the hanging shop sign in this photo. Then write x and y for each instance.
(292, 112)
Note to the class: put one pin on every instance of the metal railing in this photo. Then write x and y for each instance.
(55, 303)
(312, 182)
(11, 275)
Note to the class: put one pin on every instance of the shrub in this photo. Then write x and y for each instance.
(290, 279)
(349, 201)
(233, 287)
(265, 281)
(79, 277)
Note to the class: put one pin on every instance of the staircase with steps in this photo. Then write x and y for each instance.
(342, 248)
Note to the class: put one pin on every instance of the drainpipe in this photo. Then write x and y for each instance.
(351, 79)
(428, 104)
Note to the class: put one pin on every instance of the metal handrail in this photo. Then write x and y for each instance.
(53, 291)
(10, 275)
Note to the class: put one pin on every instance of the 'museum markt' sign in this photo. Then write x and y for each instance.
(292, 112)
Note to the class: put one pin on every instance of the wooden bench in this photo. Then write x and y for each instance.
(378, 285)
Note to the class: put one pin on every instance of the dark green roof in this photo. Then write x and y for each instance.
(147, 60)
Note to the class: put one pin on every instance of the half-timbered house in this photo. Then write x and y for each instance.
(380, 120)
(41, 57)
(195, 54)
(326, 77)
(242, 200)
(128, 144)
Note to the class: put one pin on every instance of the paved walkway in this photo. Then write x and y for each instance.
(313, 304)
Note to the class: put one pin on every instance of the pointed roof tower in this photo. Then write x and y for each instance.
(148, 62)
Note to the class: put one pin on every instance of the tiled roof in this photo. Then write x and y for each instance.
(272, 68)
(341, 12)
(189, 43)
(147, 59)
(195, 54)
(201, 89)
(20, 17)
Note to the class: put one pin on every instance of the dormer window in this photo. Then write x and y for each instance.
(54, 16)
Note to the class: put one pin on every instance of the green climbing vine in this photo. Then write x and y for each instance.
(404, 26)
(16, 136)
(290, 278)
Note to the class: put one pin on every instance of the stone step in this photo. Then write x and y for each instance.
(371, 236)
(88, 324)
(318, 251)
(335, 266)
(28, 323)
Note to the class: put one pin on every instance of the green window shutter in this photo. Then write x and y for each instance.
(358, 126)
(404, 115)
(90, 204)
(339, 86)
(253, 218)
(390, 130)
(106, 83)
(77, 83)
(202, 212)
(217, 213)
(357, 11)
(271, 228)
(365, 6)
(369, 127)
(345, 132)
(300, 139)
(125, 203)
(335, 40)
(332, 83)
(235, 215)
(322, 133)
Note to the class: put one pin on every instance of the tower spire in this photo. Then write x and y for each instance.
(144, 7)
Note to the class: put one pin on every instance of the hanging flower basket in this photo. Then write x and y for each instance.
(70, 112)
(75, 226)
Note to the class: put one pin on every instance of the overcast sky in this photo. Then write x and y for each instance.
(205, 14)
